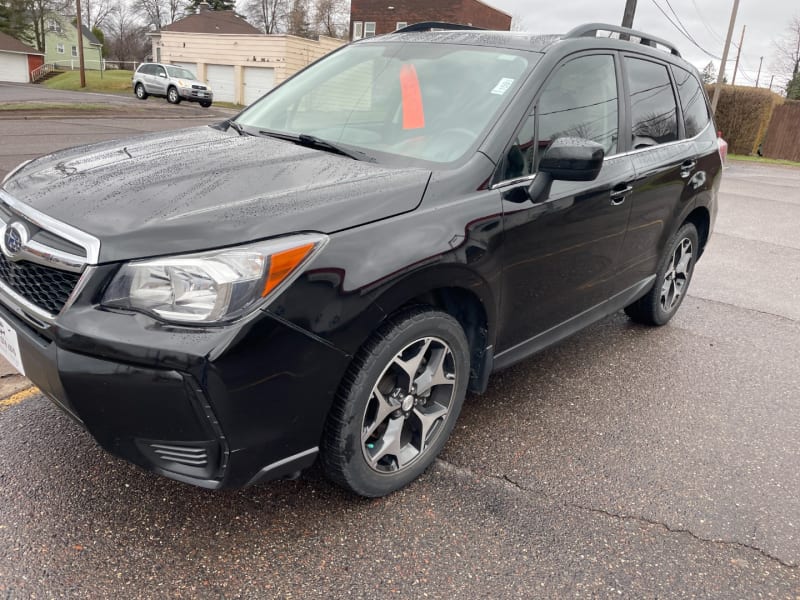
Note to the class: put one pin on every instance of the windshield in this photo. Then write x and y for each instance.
(423, 101)
(180, 73)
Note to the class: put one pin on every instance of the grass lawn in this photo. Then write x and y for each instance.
(766, 161)
(116, 81)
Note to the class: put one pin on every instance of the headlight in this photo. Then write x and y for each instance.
(212, 287)
(182, 83)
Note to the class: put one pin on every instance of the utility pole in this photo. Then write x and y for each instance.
(627, 17)
(721, 75)
(79, 25)
(758, 77)
(738, 56)
(771, 79)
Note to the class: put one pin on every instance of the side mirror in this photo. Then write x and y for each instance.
(162, 75)
(573, 159)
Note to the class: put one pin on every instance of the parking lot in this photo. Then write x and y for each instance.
(626, 461)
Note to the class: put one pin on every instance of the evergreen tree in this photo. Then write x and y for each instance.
(14, 20)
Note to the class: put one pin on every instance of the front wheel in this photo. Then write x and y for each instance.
(205, 103)
(661, 303)
(173, 97)
(140, 92)
(398, 403)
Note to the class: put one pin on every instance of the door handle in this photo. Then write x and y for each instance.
(687, 167)
(619, 193)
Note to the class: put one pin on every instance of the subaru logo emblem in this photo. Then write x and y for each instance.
(14, 239)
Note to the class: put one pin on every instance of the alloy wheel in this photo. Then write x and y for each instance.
(409, 405)
(677, 275)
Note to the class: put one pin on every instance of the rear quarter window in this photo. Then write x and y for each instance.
(693, 102)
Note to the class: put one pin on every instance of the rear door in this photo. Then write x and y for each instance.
(562, 250)
(664, 160)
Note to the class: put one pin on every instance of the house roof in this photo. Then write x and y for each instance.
(212, 21)
(10, 44)
(87, 33)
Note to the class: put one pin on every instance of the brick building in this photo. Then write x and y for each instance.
(374, 17)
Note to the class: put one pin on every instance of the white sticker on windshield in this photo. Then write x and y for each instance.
(502, 86)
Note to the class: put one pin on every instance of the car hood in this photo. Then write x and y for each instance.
(202, 188)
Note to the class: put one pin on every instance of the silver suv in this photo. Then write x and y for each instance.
(171, 82)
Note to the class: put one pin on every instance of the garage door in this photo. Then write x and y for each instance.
(14, 67)
(189, 66)
(257, 82)
(220, 79)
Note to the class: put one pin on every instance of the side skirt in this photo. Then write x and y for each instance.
(506, 358)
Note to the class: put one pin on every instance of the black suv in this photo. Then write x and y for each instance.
(327, 274)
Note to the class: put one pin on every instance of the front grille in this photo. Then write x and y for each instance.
(199, 87)
(46, 287)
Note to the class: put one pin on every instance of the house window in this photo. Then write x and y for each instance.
(60, 48)
(401, 25)
(358, 30)
(53, 25)
(75, 51)
(369, 29)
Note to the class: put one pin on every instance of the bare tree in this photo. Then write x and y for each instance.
(267, 15)
(787, 59)
(331, 17)
(126, 39)
(38, 12)
(95, 12)
(159, 13)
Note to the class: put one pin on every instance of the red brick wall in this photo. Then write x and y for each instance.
(416, 11)
(480, 15)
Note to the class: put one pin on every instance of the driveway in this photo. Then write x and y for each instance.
(625, 462)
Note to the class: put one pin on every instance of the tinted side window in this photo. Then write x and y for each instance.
(654, 113)
(159, 70)
(580, 100)
(693, 102)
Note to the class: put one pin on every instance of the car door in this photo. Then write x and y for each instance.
(159, 79)
(664, 160)
(561, 250)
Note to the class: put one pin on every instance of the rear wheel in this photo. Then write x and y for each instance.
(173, 97)
(140, 92)
(661, 303)
(398, 404)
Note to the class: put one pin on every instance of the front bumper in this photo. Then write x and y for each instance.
(224, 407)
(196, 95)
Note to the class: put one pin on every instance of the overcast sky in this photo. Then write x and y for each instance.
(706, 20)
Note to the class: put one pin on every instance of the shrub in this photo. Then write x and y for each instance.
(743, 115)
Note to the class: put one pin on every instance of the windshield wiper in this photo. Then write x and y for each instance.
(311, 141)
(237, 128)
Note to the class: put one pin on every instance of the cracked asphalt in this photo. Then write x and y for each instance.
(625, 462)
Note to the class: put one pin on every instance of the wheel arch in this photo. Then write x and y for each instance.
(700, 217)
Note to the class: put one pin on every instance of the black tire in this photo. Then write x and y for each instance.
(205, 103)
(422, 337)
(140, 92)
(661, 303)
(173, 97)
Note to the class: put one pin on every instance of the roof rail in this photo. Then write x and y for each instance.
(431, 25)
(591, 29)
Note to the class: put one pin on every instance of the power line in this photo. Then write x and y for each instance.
(683, 33)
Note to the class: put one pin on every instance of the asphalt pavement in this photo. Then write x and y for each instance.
(626, 462)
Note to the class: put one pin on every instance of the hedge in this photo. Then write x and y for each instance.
(743, 115)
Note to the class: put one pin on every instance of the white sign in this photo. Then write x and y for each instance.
(9, 346)
(502, 86)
